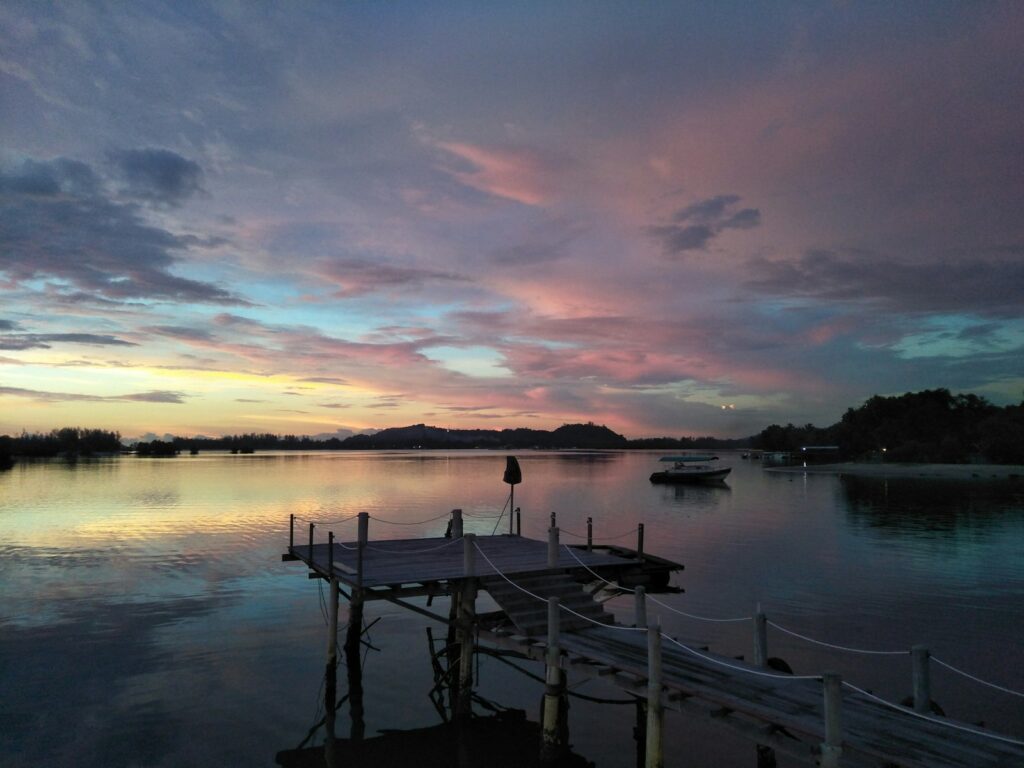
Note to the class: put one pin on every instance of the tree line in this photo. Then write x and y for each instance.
(928, 426)
(933, 426)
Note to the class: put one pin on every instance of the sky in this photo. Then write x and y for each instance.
(669, 218)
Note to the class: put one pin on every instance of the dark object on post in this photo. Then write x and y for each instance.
(513, 475)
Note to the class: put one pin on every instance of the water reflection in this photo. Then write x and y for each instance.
(912, 506)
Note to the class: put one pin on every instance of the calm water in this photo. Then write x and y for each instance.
(146, 617)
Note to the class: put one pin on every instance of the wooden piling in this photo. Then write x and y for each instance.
(922, 679)
(554, 741)
(364, 534)
(640, 603)
(311, 527)
(654, 756)
(640, 541)
(519, 522)
(832, 748)
(332, 629)
(291, 532)
(330, 554)
(467, 617)
(590, 534)
(456, 523)
(760, 638)
(554, 520)
(552, 547)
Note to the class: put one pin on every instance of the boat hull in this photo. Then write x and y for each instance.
(694, 476)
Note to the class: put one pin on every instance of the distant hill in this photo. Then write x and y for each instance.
(423, 436)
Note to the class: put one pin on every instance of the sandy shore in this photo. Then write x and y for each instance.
(941, 471)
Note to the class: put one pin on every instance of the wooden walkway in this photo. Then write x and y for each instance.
(784, 713)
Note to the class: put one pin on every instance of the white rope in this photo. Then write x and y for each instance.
(652, 599)
(736, 667)
(535, 596)
(412, 551)
(975, 679)
(837, 647)
(328, 522)
(416, 522)
(936, 720)
(602, 538)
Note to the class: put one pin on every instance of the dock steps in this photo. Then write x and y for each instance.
(530, 616)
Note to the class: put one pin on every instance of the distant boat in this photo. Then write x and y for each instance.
(691, 469)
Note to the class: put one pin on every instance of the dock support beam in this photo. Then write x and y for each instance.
(832, 748)
(654, 756)
(467, 617)
(554, 706)
(922, 680)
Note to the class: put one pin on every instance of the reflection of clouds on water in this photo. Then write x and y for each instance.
(931, 507)
(105, 678)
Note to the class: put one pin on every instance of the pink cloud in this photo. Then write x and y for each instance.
(527, 176)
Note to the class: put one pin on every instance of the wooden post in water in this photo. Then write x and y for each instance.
(519, 522)
(832, 748)
(922, 679)
(330, 554)
(332, 631)
(467, 616)
(554, 737)
(311, 527)
(456, 523)
(765, 754)
(590, 534)
(760, 638)
(291, 532)
(552, 547)
(640, 602)
(640, 541)
(364, 534)
(654, 756)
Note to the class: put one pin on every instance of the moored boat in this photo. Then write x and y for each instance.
(691, 469)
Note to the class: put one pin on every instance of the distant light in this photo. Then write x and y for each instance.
(729, 407)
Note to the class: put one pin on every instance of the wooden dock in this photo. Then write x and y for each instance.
(824, 723)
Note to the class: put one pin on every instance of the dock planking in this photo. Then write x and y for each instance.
(395, 562)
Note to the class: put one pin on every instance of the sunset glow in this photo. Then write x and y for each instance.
(672, 218)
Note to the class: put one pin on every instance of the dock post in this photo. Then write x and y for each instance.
(311, 527)
(330, 554)
(654, 756)
(760, 638)
(552, 547)
(640, 597)
(554, 520)
(467, 616)
(519, 522)
(456, 523)
(922, 680)
(554, 736)
(364, 526)
(640, 541)
(590, 534)
(332, 631)
(832, 748)
(291, 532)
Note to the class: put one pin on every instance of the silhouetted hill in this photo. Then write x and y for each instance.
(423, 436)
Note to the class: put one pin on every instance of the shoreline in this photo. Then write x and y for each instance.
(935, 471)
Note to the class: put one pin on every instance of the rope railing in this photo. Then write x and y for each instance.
(929, 718)
(326, 522)
(385, 550)
(544, 600)
(736, 667)
(969, 676)
(837, 647)
(602, 538)
(666, 606)
(413, 522)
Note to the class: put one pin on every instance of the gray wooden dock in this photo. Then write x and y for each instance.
(546, 615)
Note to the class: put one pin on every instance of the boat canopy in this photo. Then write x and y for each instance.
(681, 459)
